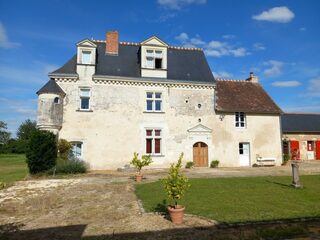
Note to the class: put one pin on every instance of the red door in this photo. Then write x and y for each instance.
(294, 149)
(318, 150)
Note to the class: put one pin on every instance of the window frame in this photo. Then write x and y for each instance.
(239, 121)
(85, 97)
(154, 101)
(88, 52)
(73, 144)
(153, 138)
(153, 55)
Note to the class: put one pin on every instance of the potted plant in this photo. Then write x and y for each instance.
(175, 185)
(138, 163)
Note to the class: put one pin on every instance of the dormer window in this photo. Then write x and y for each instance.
(86, 57)
(154, 59)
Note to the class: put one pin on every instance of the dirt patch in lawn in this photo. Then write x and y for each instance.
(106, 208)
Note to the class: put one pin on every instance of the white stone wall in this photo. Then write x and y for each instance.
(115, 128)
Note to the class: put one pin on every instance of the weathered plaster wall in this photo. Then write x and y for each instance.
(115, 128)
(49, 115)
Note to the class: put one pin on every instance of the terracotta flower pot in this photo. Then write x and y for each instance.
(176, 214)
(138, 177)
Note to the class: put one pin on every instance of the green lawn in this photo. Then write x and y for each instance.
(13, 167)
(241, 199)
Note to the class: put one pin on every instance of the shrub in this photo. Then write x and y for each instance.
(255, 165)
(214, 163)
(2, 185)
(145, 160)
(286, 158)
(176, 184)
(72, 166)
(189, 164)
(42, 152)
(64, 149)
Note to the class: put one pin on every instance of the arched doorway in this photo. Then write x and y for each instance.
(200, 154)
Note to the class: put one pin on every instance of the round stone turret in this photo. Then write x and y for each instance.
(50, 107)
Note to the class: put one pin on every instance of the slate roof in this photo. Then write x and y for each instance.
(51, 87)
(183, 65)
(243, 96)
(300, 122)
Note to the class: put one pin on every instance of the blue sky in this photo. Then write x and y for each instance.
(278, 40)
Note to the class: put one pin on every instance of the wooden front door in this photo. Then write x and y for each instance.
(318, 150)
(200, 154)
(294, 150)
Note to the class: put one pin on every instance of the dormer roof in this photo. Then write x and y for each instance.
(154, 41)
(86, 43)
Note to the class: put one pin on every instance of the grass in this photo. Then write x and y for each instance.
(241, 199)
(13, 167)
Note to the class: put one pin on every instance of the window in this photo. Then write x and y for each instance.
(240, 120)
(154, 102)
(154, 59)
(86, 57)
(76, 150)
(56, 100)
(84, 99)
(153, 141)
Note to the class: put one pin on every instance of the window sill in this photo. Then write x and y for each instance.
(157, 69)
(84, 110)
(155, 155)
(153, 112)
(86, 64)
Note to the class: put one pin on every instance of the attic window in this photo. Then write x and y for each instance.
(86, 57)
(153, 59)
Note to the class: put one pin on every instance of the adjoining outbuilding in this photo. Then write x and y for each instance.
(301, 135)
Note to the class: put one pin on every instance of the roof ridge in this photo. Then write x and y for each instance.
(230, 80)
(303, 113)
(138, 44)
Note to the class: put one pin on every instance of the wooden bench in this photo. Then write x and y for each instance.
(266, 161)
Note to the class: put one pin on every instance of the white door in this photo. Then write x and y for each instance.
(244, 152)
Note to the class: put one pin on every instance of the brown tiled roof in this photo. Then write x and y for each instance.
(243, 96)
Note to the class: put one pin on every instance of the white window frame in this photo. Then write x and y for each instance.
(81, 148)
(153, 138)
(239, 121)
(154, 100)
(153, 54)
(82, 56)
(89, 97)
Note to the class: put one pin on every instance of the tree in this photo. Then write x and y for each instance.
(42, 151)
(26, 129)
(4, 135)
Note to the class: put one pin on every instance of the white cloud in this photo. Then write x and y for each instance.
(313, 89)
(4, 40)
(178, 4)
(228, 36)
(276, 14)
(302, 29)
(182, 37)
(274, 68)
(212, 48)
(259, 47)
(222, 74)
(286, 84)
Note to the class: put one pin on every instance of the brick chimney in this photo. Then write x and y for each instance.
(252, 78)
(112, 43)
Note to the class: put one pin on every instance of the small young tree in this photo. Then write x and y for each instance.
(42, 151)
(138, 163)
(176, 184)
(64, 149)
